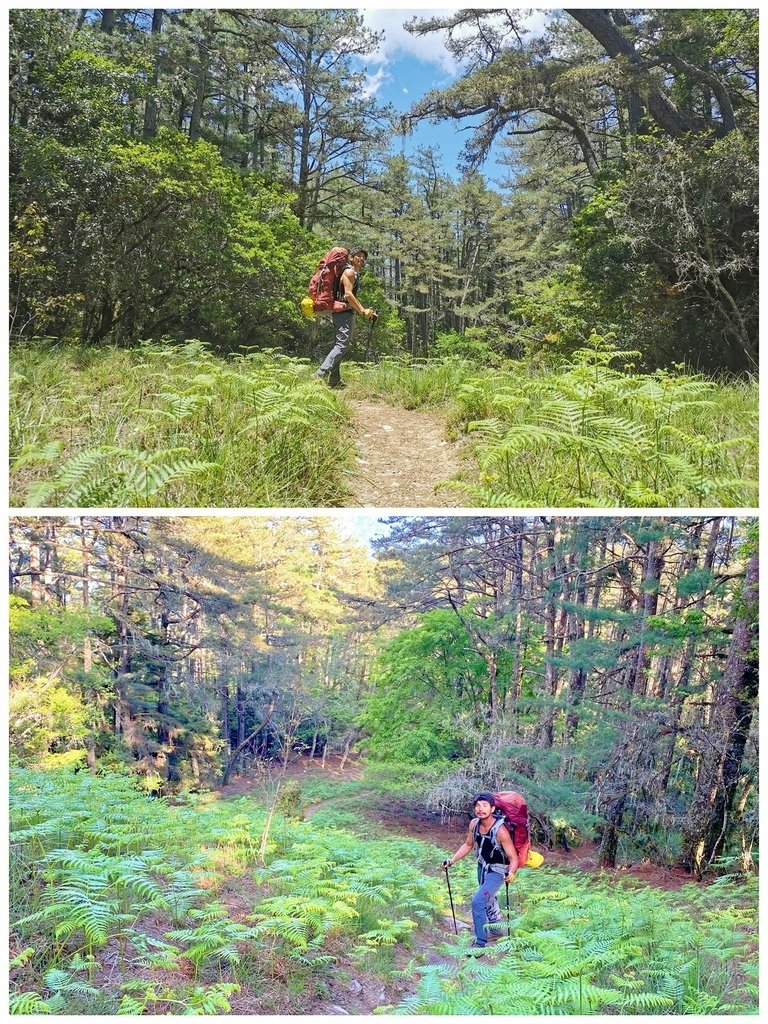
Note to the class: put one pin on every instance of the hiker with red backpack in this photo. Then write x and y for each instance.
(337, 294)
(499, 836)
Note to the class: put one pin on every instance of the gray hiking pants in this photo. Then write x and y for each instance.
(342, 325)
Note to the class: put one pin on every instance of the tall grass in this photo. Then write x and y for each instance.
(172, 425)
(588, 433)
(410, 383)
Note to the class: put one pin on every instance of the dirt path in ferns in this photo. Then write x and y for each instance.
(403, 455)
(348, 988)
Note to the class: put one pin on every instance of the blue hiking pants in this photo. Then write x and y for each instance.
(484, 901)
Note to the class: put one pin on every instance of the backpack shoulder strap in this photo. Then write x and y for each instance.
(337, 289)
(494, 831)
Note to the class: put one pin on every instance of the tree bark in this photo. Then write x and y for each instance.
(654, 563)
(578, 680)
(201, 76)
(241, 746)
(152, 106)
(722, 746)
(664, 112)
(108, 18)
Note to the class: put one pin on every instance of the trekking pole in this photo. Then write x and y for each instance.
(450, 897)
(369, 342)
(508, 929)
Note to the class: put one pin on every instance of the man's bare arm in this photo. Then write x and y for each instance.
(466, 847)
(348, 280)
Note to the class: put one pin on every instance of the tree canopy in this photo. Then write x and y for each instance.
(607, 667)
(176, 174)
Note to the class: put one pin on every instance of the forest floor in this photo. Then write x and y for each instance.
(403, 456)
(353, 989)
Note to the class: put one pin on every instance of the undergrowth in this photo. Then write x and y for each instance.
(104, 874)
(123, 903)
(175, 425)
(171, 425)
(585, 945)
(588, 433)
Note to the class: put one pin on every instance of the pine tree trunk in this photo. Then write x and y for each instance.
(675, 695)
(549, 575)
(90, 739)
(152, 106)
(708, 822)
(108, 16)
(578, 680)
(609, 843)
(224, 712)
(654, 563)
(201, 77)
(35, 580)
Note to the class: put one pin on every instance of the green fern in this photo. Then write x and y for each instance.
(28, 1002)
(216, 938)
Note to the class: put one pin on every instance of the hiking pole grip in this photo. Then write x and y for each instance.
(446, 865)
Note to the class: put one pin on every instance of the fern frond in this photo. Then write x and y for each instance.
(27, 1003)
(130, 1007)
(648, 1002)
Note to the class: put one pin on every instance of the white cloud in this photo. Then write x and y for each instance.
(374, 81)
(429, 48)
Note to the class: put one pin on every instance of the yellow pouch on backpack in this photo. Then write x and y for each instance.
(534, 859)
(308, 308)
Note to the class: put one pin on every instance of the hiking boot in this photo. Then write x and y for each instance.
(337, 385)
(476, 948)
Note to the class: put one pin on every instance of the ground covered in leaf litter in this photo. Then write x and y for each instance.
(403, 455)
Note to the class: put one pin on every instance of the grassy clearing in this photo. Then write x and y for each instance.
(589, 434)
(172, 425)
(121, 903)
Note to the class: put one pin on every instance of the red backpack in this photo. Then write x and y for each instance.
(324, 286)
(515, 810)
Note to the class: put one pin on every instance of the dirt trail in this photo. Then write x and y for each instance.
(403, 455)
(349, 989)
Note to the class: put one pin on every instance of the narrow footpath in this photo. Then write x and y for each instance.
(403, 455)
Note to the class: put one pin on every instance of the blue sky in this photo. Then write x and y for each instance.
(404, 69)
(407, 66)
(420, 78)
(363, 526)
